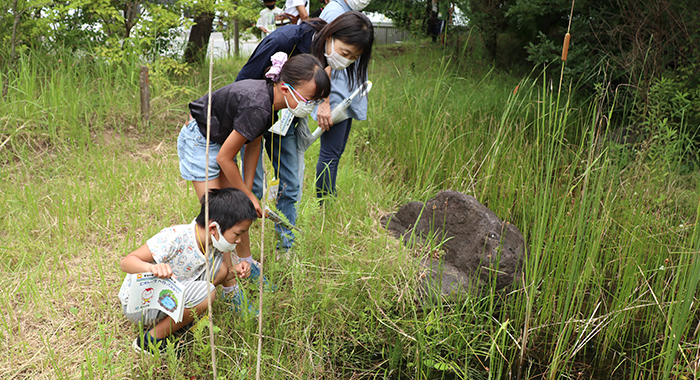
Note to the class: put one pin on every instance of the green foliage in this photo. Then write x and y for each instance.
(544, 52)
(118, 29)
(409, 14)
(636, 50)
(538, 165)
(664, 121)
(245, 12)
(611, 277)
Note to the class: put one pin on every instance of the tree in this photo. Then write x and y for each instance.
(242, 14)
(413, 15)
(234, 12)
(489, 17)
(196, 48)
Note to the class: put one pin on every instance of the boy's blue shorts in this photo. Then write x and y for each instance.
(192, 149)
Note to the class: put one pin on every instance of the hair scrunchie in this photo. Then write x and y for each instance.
(278, 60)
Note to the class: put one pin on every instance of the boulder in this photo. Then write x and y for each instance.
(477, 244)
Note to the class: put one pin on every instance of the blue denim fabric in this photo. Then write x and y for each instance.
(333, 143)
(285, 147)
(191, 150)
(289, 176)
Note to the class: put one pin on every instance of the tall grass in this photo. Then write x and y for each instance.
(609, 271)
(610, 279)
(62, 96)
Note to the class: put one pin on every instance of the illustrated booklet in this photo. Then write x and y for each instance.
(151, 292)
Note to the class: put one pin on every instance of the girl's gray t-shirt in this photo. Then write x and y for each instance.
(244, 106)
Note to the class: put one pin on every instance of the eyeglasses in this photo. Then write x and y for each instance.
(307, 102)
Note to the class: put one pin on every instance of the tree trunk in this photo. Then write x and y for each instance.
(196, 49)
(5, 82)
(490, 38)
(236, 34)
(131, 10)
(15, 24)
(236, 39)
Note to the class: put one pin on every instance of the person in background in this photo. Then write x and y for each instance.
(335, 137)
(294, 12)
(318, 11)
(442, 11)
(266, 21)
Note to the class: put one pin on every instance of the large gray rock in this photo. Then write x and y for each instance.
(477, 244)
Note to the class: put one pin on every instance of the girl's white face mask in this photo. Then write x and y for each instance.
(303, 109)
(335, 60)
(221, 244)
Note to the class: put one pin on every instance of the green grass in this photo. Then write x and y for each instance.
(610, 281)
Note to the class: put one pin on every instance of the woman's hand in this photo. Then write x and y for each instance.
(256, 204)
(162, 270)
(324, 115)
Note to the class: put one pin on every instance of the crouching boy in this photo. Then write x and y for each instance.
(178, 252)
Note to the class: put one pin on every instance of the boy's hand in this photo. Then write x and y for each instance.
(242, 269)
(162, 270)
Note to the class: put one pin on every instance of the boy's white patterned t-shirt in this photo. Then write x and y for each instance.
(176, 246)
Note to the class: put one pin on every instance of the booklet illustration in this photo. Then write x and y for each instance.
(151, 292)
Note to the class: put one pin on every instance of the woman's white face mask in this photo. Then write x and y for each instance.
(357, 5)
(335, 60)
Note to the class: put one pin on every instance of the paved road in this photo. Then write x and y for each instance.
(217, 42)
(219, 45)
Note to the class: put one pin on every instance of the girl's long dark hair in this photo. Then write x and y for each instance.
(353, 28)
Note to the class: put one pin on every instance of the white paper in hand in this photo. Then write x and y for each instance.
(151, 292)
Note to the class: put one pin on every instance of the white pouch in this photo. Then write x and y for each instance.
(282, 125)
(273, 189)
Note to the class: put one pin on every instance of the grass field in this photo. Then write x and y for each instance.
(611, 279)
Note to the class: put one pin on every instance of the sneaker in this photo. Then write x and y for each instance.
(148, 345)
(255, 274)
(239, 303)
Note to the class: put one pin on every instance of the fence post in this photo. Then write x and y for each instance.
(145, 95)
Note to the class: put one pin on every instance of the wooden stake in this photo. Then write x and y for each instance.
(144, 84)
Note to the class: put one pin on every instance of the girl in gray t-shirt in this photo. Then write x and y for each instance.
(240, 113)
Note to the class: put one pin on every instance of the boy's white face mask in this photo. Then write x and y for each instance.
(221, 244)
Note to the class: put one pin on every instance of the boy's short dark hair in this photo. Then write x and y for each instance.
(228, 207)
